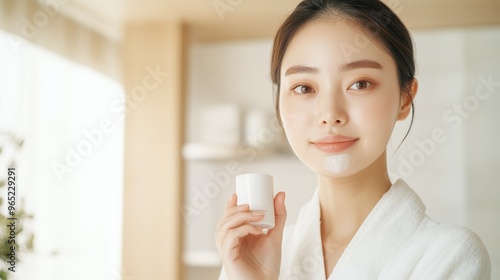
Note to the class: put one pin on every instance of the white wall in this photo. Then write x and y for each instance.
(482, 135)
(455, 177)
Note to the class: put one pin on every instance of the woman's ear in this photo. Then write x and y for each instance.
(406, 101)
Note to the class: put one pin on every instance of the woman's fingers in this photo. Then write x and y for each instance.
(233, 228)
(239, 219)
(232, 208)
(280, 208)
(235, 217)
(231, 201)
(279, 217)
(233, 236)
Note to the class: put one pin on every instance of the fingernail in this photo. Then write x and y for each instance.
(265, 231)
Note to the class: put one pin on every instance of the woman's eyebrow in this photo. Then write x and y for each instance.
(365, 63)
(300, 69)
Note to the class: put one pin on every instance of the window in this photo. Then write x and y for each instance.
(70, 169)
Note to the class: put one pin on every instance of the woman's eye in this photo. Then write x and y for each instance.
(360, 85)
(302, 89)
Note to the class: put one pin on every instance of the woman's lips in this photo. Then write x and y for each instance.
(334, 143)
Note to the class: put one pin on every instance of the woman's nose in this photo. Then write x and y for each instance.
(332, 111)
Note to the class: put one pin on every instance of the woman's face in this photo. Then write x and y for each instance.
(339, 98)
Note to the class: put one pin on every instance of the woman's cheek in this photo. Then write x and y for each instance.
(296, 126)
(295, 121)
(377, 118)
(294, 112)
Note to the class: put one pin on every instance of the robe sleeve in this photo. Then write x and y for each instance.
(458, 253)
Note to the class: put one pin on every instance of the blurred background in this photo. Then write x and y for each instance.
(128, 120)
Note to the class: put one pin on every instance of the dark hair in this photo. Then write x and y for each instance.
(373, 17)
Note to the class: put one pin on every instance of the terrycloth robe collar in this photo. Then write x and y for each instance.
(388, 226)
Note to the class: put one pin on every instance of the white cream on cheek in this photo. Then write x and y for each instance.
(338, 163)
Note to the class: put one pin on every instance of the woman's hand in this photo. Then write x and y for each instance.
(247, 251)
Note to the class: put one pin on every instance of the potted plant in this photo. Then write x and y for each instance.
(14, 216)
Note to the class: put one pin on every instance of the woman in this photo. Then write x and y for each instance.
(344, 74)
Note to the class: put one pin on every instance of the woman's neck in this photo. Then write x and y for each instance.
(346, 202)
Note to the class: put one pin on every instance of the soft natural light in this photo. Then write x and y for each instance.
(70, 169)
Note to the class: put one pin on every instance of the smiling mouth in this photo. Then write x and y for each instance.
(334, 144)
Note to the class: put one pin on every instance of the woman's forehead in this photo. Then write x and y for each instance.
(335, 43)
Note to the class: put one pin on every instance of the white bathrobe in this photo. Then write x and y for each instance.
(396, 241)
